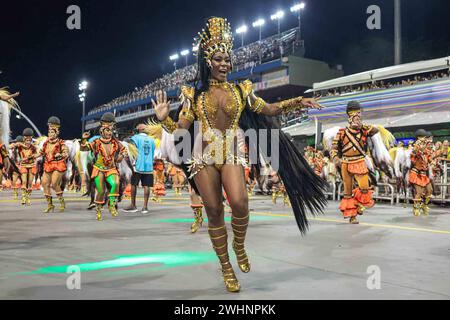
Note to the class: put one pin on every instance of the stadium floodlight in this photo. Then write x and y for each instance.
(297, 7)
(259, 23)
(185, 53)
(278, 16)
(82, 86)
(241, 30)
(174, 58)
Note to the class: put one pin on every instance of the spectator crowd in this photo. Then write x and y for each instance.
(244, 57)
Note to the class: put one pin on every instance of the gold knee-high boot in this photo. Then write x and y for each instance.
(417, 208)
(50, 206)
(24, 196)
(62, 203)
(240, 226)
(15, 194)
(28, 202)
(219, 239)
(274, 197)
(424, 206)
(112, 206)
(98, 211)
(198, 222)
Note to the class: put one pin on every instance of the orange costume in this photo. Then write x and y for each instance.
(27, 165)
(418, 175)
(178, 179)
(55, 154)
(349, 150)
(158, 172)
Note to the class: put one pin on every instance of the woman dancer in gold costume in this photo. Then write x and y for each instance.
(222, 108)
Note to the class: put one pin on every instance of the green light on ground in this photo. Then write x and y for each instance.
(168, 259)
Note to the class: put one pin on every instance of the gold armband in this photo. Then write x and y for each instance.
(258, 106)
(187, 114)
(169, 125)
(291, 105)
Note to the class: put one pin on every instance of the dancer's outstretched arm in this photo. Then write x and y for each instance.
(273, 109)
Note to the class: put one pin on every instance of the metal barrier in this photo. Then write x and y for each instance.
(384, 196)
(332, 192)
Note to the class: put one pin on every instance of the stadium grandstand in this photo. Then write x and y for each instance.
(275, 65)
(401, 98)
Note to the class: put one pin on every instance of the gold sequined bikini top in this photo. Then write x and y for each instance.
(201, 109)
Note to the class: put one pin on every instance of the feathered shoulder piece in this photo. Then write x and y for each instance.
(187, 94)
(4, 92)
(247, 88)
(155, 131)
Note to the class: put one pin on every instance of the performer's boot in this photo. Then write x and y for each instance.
(274, 197)
(50, 206)
(24, 197)
(62, 203)
(361, 209)
(417, 208)
(219, 239)
(28, 202)
(112, 206)
(15, 194)
(239, 226)
(354, 220)
(98, 210)
(286, 200)
(424, 206)
(198, 222)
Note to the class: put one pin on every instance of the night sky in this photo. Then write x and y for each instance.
(124, 44)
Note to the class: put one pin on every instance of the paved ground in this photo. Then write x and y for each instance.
(154, 256)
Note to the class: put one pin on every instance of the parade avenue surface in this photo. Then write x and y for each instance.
(154, 256)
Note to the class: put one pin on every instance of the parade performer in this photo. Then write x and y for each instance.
(108, 152)
(178, 178)
(159, 189)
(14, 172)
(350, 152)
(222, 108)
(419, 173)
(28, 153)
(55, 154)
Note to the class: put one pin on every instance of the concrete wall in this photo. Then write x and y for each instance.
(304, 72)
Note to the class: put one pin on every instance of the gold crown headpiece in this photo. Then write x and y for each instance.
(217, 38)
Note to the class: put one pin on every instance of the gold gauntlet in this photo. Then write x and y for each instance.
(291, 105)
(169, 125)
(258, 106)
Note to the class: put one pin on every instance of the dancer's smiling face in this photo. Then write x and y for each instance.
(220, 66)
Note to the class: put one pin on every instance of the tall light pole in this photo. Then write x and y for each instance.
(82, 86)
(185, 53)
(278, 16)
(174, 58)
(298, 8)
(242, 30)
(259, 23)
(397, 32)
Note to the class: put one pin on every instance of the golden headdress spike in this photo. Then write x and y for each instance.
(217, 38)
